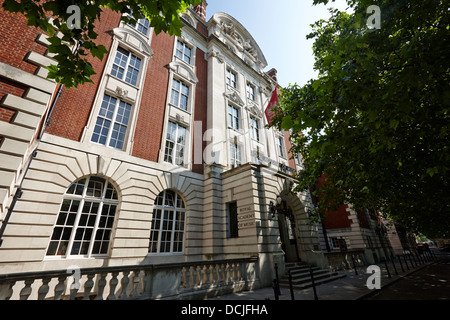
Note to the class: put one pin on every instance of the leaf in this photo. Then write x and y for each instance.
(98, 51)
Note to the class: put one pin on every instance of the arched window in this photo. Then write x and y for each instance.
(167, 233)
(85, 220)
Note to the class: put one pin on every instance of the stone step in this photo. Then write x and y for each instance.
(301, 276)
(308, 284)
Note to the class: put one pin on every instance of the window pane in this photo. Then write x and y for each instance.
(167, 232)
(169, 199)
(83, 228)
(133, 70)
(120, 63)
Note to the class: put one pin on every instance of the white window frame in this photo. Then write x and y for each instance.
(174, 153)
(251, 92)
(83, 198)
(235, 154)
(127, 66)
(142, 22)
(234, 120)
(255, 131)
(230, 74)
(177, 103)
(113, 122)
(280, 145)
(160, 205)
(183, 51)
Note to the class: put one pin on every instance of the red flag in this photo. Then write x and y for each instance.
(273, 102)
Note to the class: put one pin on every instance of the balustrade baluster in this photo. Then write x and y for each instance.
(239, 274)
(44, 288)
(88, 285)
(74, 287)
(26, 291)
(124, 284)
(227, 272)
(198, 270)
(222, 272)
(112, 286)
(7, 293)
(211, 274)
(60, 287)
(148, 282)
(101, 285)
(136, 284)
(183, 277)
(205, 275)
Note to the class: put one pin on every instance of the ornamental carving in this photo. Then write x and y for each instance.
(121, 92)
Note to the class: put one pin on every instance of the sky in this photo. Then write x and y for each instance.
(280, 29)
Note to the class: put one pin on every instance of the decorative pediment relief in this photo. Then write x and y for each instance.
(242, 43)
(234, 97)
(253, 108)
(134, 39)
(184, 71)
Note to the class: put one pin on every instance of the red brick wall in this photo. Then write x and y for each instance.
(73, 108)
(17, 39)
(336, 219)
(9, 87)
(202, 28)
(6, 114)
(362, 217)
(200, 112)
(150, 121)
(288, 148)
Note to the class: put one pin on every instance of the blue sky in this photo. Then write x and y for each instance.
(280, 29)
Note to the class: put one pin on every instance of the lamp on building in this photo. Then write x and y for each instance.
(279, 208)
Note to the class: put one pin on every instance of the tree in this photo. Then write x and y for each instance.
(377, 119)
(73, 67)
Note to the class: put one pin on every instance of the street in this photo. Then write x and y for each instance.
(429, 283)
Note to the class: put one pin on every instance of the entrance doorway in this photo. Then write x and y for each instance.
(288, 237)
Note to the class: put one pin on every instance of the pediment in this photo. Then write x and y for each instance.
(184, 71)
(253, 108)
(134, 39)
(229, 30)
(234, 97)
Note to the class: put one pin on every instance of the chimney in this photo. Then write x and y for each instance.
(273, 74)
(201, 9)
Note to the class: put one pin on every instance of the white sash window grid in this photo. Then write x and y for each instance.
(85, 220)
(235, 155)
(126, 66)
(233, 117)
(254, 128)
(183, 52)
(168, 224)
(180, 94)
(112, 122)
(231, 78)
(174, 152)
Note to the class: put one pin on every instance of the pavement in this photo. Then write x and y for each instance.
(351, 287)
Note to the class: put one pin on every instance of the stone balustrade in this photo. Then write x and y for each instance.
(192, 280)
